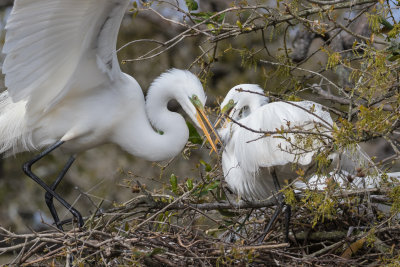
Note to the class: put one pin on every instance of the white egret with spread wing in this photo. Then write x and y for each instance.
(65, 88)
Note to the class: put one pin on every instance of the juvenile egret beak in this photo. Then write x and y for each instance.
(201, 117)
(225, 110)
(218, 120)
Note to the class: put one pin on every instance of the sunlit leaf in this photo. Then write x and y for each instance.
(239, 24)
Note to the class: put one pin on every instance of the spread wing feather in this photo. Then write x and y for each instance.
(47, 40)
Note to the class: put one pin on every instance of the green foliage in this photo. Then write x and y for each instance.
(194, 136)
(189, 184)
(173, 180)
(204, 190)
(371, 122)
(322, 205)
(374, 21)
(334, 58)
(290, 197)
(230, 257)
(192, 5)
(394, 49)
(393, 261)
(394, 195)
(394, 32)
(207, 167)
(201, 16)
(164, 220)
(371, 237)
(323, 161)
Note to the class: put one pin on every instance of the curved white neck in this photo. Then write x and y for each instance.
(138, 136)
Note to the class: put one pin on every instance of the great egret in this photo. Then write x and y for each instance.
(65, 87)
(247, 152)
(253, 162)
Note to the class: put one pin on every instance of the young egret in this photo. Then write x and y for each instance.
(252, 161)
(66, 88)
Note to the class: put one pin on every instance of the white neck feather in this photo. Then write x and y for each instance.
(138, 135)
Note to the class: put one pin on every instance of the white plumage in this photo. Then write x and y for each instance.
(64, 83)
(65, 87)
(248, 156)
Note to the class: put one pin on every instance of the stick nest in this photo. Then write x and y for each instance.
(330, 227)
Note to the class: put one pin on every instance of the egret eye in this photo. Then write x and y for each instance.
(231, 102)
(194, 97)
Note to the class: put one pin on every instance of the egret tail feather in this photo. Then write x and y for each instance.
(14, 135)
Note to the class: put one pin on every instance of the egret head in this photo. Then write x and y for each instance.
(241, 100)
(189, 93)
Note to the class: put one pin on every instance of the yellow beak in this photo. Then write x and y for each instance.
(221, 116)
(219, 119)
(226, 110)
(200, 116)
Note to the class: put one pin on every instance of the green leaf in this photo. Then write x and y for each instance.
(189, 184)
(210, 26)
(194, 136)
(239, 24)
(207, 166)
(192, 5)
(386, 24)
(208, 188)
(173, 180)
(220, 18)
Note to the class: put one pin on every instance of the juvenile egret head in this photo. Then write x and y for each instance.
(240, 101)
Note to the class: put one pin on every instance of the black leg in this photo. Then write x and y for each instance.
(288, 214)
(272, 220)
(49, 198)
(281, 204)
(27, 169)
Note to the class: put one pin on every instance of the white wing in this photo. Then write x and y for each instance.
(253, 152)
(47, 40)
(245, 152)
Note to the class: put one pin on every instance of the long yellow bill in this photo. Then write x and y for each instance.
(218, 121)
(201, 117)
(210, 125)
(200, 113)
